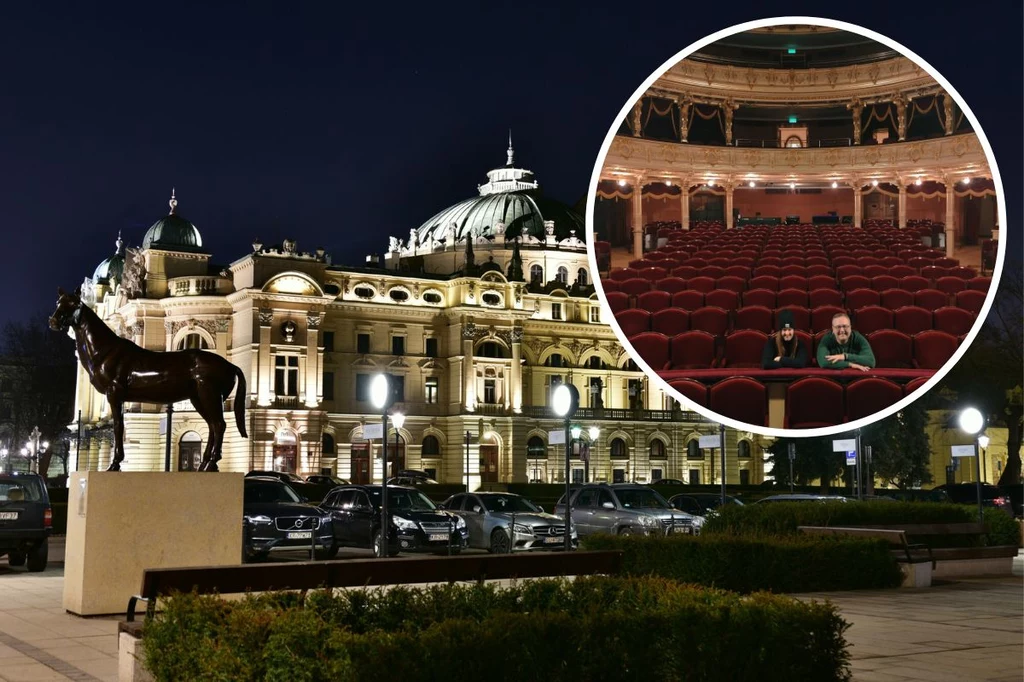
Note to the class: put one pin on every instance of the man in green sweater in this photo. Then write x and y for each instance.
(844, 348)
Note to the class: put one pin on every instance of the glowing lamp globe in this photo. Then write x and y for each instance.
(971, 420)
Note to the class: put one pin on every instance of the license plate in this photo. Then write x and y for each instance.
(437, 537)
(683, 529)
(8, 516)
(300, 535)
(553, 540)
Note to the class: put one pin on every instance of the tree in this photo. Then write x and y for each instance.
(814, 460)
(989, 374)
(900, 451)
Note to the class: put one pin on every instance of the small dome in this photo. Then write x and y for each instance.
(111, 269)
(173, 233)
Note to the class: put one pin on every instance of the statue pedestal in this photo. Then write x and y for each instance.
(120, 523)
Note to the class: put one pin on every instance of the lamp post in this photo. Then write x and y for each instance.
(983, 442)
(973, 422)
(564, 402)
(7, 462)
(33, 449)
(468, 437)
(398, 419)
(576, 430)
(594, 433)
(381, 398)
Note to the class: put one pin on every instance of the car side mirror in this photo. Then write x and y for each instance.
(608, 505)
(541, 509)
(477, 509)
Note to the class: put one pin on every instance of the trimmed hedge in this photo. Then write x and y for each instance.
(782, 518)
(590, 629)
(795, 563)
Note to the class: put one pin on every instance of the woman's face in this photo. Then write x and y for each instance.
(788, 334)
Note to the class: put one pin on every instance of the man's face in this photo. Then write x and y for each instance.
(788, 334)
(841, 329)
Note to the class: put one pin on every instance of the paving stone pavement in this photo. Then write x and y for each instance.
(965, 631)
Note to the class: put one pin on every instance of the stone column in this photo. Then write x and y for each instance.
(856, 108)
(950, 213)
(517, 371)
(902, 206)
(858, 204)
(684, 203)
(729, 188)
(638, 109)
(901, 116)
(264, 372)
(947, 107)
(314, 377)
(638, 217)
(468, 371)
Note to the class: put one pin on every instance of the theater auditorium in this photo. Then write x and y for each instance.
(799, 173)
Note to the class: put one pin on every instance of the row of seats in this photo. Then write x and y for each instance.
(811, 402)
(909, 319)
(636, 282)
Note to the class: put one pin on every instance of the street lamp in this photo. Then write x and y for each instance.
(576, 430)
(564, 402)
(398, 419)
(594, 433)
(983, 442)
(381, 398)
(972, 421)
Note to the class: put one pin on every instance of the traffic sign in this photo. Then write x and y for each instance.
(962, 450)
(844, 445)
(851, 458)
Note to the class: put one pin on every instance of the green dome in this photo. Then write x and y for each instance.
(111, 269)
(173, 233)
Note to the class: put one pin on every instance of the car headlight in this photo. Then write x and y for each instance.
(523, 530)
(648, 521)
(461, 523)
(403, 524)
(261, 520)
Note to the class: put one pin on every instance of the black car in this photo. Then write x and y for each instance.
(26, 520)
(307, 490)
(275, 518)
(668, 481)
(411, 477)
(699, 504)
(417, 525)
(967, 493)
(320, 479)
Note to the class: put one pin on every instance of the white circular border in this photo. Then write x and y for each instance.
(937, 377)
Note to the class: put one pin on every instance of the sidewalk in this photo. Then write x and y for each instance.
(964, 631)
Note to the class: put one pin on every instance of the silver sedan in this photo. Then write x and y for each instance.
(494, 519)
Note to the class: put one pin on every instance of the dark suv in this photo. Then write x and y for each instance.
(417, 525)
(275, 518)
(26, 520)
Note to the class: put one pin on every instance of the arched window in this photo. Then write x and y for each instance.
(555, 360)
(619, 449)
(190, 451)
(744, 449)
(193, 340)
(693, 450)
(537, 274)
(657, 449)
(328, 444)
(582, 277)
(563, 274)
(595, 362)
(431, 446)
(536, 448)
(490, 349)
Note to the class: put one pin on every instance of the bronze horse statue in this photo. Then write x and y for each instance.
(124, 372)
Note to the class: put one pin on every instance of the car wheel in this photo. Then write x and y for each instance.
(16, 558)
(626, 531)
(500, 542)
(328, 553)
(377, 550)
(38, 556)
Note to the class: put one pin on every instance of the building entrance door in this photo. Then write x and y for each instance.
(361, 463)
(488, 463)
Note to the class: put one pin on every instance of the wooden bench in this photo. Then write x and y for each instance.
(905, 551)
(160, 582)
(926, 530)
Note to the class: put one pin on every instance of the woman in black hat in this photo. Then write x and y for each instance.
(783, 348)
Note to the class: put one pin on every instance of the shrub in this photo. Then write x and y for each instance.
(794, 563)
(1002, 528)
(593, 628)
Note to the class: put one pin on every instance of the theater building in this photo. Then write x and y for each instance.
(797, 168)
(476, 315)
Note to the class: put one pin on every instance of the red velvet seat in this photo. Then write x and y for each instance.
(671, 284)
(893, 349)
(753, 317)
(762, 270)
(867, 396)
(791, 297)
(853, 282)
(688, 299)
(731, 283)
(979, 283)
(859, 298)
(884, 283)
(812, 261)
(914, 384)
(799, 270)
(953, 320)
(652, 348)
(971, 300)
(712, 271)
(684, 271)
(822, 282)
(617, 301)
(765, 297)
(741, 271)
(801, 316)
(653, 274)
(813, 402)
(702, 284)
(793, 282)
(875, 271)
(933, 349)
(894, 299)
(743, 348)
(840, 261)
(722, 298)
(951, 285)
(633, 321)
(946, 262)
(641, 263)
(820, 297)
(635, 286)
(914, 283)
(622, 274)
(654, 300)
(740, 398)
(768, 258)
(693, 350)
(821, 317)
(764, 282)
(709, 319)
(670, 321)
(912, 319)
(931, 299)
(919, 263)
(872, 318)
(817, 270)
(963, 272)
(692, 390)
(900, 271)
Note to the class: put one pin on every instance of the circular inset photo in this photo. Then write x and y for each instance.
(796, 224)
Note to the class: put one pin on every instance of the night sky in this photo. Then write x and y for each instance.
(338, 124)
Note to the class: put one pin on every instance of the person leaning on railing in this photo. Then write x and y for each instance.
(844, 348)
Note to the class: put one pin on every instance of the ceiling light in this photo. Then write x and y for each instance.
(835, 184)
(622, 183)
(874, 183)
(751, 184)
(668, 183)
(792, 185)
(917, 182)
(967, 181)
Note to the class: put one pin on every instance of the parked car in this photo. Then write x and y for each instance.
(1016, 495)
(967, 493)
(700, 504)
(275, 518)
(332, 481)
(668, 481)
(913, 495)
(490, 516)
(625, 509)
(307, 490)
(26, 520)
(411, 477)
(417, 525)
(800, 497)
